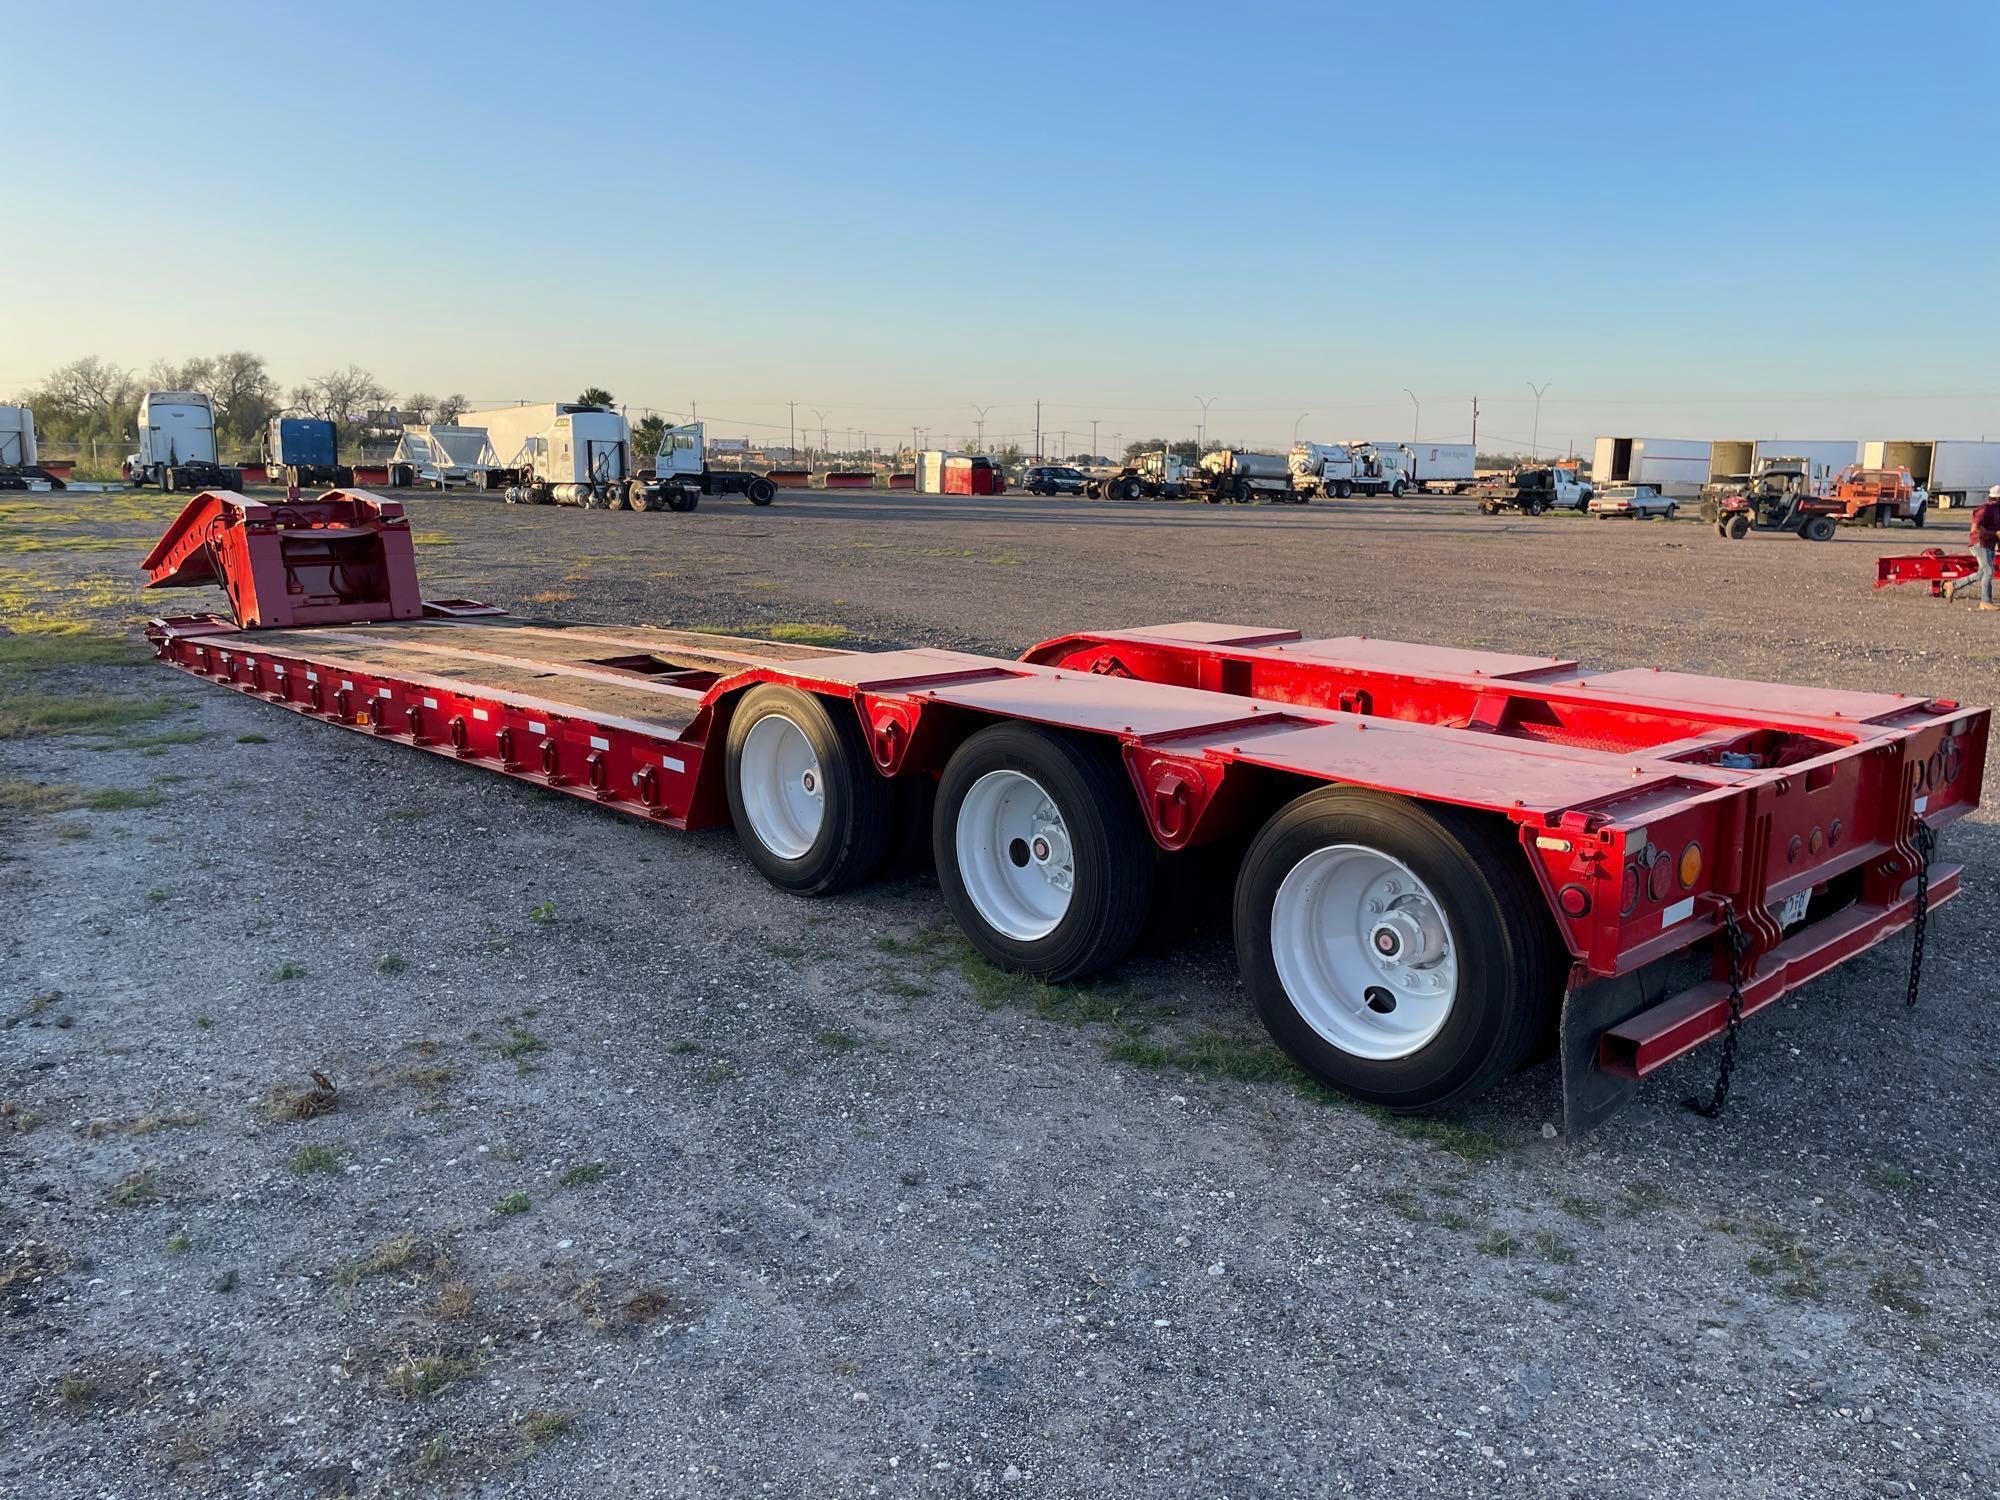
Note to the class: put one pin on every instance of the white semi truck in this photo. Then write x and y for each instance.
(681, 476)
(177, 445)
(562, 453)
(1956, 471)
(1338, 470)
(1676, 467)
(1732, 462)
(20, 463)
(1433, 468)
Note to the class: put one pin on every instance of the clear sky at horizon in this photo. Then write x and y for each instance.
(1701, 220)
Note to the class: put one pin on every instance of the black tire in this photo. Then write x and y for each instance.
(760, 490)
(1917, 520)
(1737, 527)
(1398, 489)
(1344, 490)
(1511, 962)
(1114, 857)
(1242, 492)
(854, 834)
(682, 498)
(1128, 490)
(1818, 529)
(1670, 512)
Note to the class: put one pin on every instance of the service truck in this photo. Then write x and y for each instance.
(177, 445)
(1953, 471)
(1338, 470)
(1732, 462)
(305, 451)
(1238, 475)
(562, 452)
(680, 475)
(20, 465)
(1676, 467)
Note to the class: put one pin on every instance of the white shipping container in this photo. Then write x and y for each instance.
(1676, 467)
(1439, 465)
(930, 471)
(17, 437)
(1956, 471)
(1731, 461)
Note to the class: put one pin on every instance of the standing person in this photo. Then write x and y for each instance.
(1985, 536)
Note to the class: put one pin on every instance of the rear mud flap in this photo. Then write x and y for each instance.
(1590, 1095)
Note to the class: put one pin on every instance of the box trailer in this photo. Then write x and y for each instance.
(562, 452)
(1615, 868)
(1956, 471)
(20, 459)
(177, 444)
(304, 451)
(1733, 461)
(1676, 467)
(1437, 468)
(973, 474)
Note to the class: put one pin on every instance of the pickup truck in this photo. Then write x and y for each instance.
(1537, 490)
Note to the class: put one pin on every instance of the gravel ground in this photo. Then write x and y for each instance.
(642, 1178)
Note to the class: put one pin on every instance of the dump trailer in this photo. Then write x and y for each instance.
(1447, 862)
(20, 459)
(177, 444)
(305, 451)
(1676, 467)
(680, 475)
(1951, 470)
(447, 456)
(1732, 462)
(562, 453)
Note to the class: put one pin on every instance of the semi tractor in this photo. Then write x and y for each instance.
(1447, 468)
(305, 450)
(562, 453)
(1676, 467)
(1952, 471)
(1338, 470)
(680, 475)
(20, 462)
(177, 445)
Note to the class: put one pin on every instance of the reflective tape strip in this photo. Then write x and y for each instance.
(667, 762)
(535, 728)
(1678, 913)
(430, 703)
(480, 714)
(599, 744)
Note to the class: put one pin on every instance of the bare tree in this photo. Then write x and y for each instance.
(244, 393)
(450, 409)
(418, 408)
(341, 396)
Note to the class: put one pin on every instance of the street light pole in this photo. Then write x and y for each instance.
(1535, 441)
(1295, 424)
(824, 441)
(1201, 427)
(792, 430)
(1093, 437)
(1418, 415)
(982, 410)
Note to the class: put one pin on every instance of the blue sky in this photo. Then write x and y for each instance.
(1707, 221)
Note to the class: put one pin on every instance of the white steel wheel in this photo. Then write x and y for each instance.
(1364, 951)
(1014, 855)
(1398, 951)
(811, 811)
(784, 787)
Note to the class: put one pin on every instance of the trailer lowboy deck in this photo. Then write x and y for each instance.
(1456, 859)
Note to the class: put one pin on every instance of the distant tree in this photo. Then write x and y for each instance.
(343, 397)
(85, 399)
(595, 395)
(450, 409)
(243, 391)
(646, 435)
(1009, 454)
(418, 408)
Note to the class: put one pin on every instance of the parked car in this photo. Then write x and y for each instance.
(1054, 479)
(1636, 502)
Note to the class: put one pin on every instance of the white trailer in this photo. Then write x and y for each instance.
(930, 471)
(562, 452)
(1676, 467)
(1732, 461)
(443, 457)
(177, 445)
(1956, 471)
(1442, 467)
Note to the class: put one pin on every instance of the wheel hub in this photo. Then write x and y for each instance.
(1014, 855)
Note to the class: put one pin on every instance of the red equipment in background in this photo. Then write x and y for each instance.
(973, 475)
(1680, 851)
(1942, 570)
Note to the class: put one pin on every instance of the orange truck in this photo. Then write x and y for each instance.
(1875, 497)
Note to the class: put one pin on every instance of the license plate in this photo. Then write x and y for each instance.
(1794, 909)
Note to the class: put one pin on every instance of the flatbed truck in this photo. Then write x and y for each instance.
(1453, 861)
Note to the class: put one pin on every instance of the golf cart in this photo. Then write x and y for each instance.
(1780, 498)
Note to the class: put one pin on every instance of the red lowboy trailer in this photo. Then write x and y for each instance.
(1453, 861)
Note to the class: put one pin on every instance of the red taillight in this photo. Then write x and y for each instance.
(1660, 877)
(1628, 896)
(1574, 900)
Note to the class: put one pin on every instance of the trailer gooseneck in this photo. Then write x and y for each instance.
(1456, 860)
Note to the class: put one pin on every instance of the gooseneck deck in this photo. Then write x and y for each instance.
(1452, 861)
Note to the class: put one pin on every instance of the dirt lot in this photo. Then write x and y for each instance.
(641, 1178)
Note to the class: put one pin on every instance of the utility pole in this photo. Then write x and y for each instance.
(792, 431)
(1201, 427)
(1535, 442)
(1093, 439)
(1295, 424)
(1038, 429)
(1419, 412)
(694, 412)
(1475, 432)
(981, 443)
(824, 443)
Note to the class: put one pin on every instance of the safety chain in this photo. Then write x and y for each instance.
(1920, 911)
(1739, 944)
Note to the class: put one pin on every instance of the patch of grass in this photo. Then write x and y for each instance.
(1787, 1257)
(520, 1044)
(24, 715)
(1588, 1210)
(513, 1203)
(1897, 1291)
(180, 1241)
(392, 1254)
(1466, 1142)
(390, 963)
(905, 989)
(75, 1388)
(253, 739)
(837, 1041)
(683, 1045)
(544, 911)
(550, 596)
(37, 798)
(426, 1374)
(1499, 1244)
(1211, 1053)
(434, 1454)
(39, 650)
(453, 1301)
(134, 1190)
(540, 1427)
(430, 539)
(287, 971)
(719, 1071)
(1551, 1247)
(121, 799)
(309, 1160)
(808, 634)
(1555, 1295)
(284, 1102)
(173, 1119)
(431, 1079)
(585, 1174)
(1888, 1176)
(783, 950)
